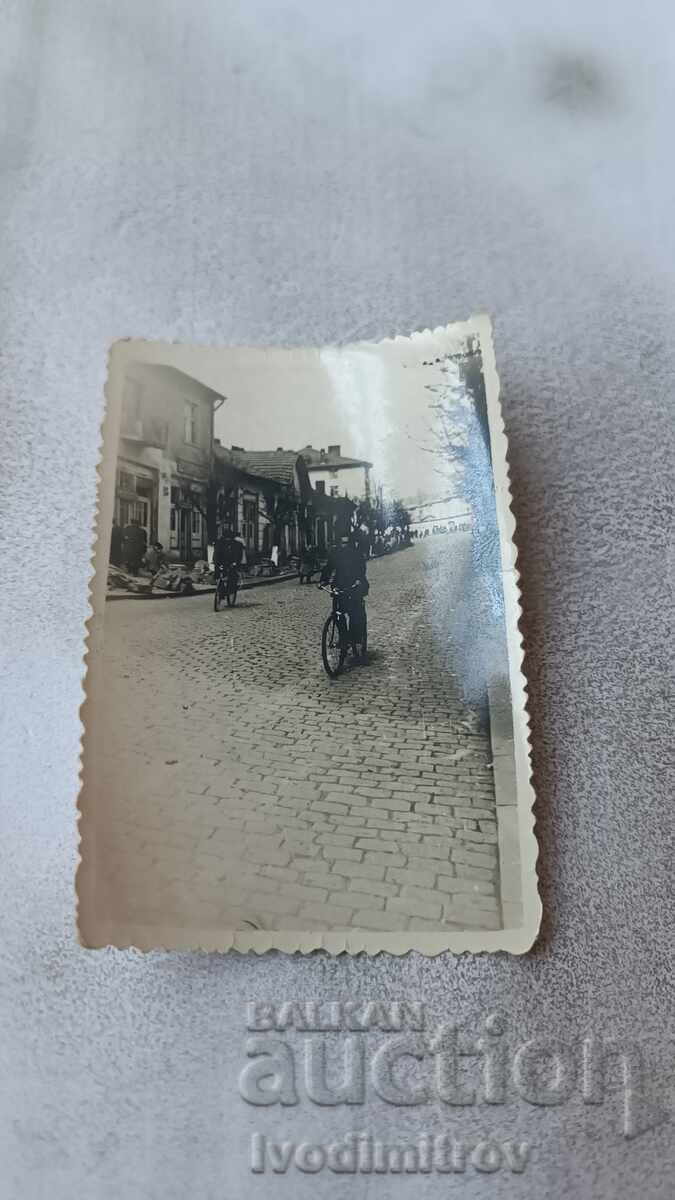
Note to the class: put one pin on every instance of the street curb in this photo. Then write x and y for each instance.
(250, 583)
(208, 591)
(506, 803)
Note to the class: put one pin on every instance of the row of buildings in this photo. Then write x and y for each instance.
(177, 480)
(449, 513)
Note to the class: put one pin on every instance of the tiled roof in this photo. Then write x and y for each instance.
(268, 464)
(333, 461)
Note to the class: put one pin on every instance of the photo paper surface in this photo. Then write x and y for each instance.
(305, 717)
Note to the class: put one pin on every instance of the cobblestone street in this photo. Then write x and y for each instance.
(238, 775)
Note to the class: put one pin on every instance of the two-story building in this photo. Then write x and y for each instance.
(340, 475)
(164, 457)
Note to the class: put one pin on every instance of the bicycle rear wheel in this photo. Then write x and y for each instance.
(232, 593)
(333, 649)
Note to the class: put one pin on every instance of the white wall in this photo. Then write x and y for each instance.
(450, 512)
(350, 480)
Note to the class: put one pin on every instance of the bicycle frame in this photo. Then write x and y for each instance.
(225, 574)
(341, 619)
(340, 610)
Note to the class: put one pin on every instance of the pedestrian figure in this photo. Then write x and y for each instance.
(242, 543)
(116, 539)
(134, 546)
(274, 557)
(154, 557)
(308, 563)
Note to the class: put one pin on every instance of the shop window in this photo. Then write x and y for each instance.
(196, 521)
(173, 520)
(134, 510)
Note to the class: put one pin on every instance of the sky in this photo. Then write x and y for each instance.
(370, 398)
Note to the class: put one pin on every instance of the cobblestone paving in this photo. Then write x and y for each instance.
(240, 785)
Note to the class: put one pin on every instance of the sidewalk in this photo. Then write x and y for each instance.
(139, 587)
(124, 586)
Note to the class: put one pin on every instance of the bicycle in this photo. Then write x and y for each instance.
(336, 633)
(227, 586)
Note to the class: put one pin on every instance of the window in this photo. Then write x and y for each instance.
(143, 487)
(250, 522)
(129, 484)
(334, 490)
(173, 520)
(196, 521)
(134, 510)
(191, 424)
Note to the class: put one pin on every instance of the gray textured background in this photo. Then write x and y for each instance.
(302, 173)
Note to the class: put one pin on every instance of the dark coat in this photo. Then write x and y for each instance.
(227, 552)
(135, 543)
(344, 566)
(116, 540)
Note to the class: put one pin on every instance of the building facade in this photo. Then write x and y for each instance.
(447, 512)
(164, 458)
(341, 476)
(266, 497)
(263, 496)
(328, 518)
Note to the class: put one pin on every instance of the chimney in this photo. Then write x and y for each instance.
(239, 448)
(280, 449)
(216, 441)
(322, 454)
(334, 451)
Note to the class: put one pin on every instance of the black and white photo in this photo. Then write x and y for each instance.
(305, 721)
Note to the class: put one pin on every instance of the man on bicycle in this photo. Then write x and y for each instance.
(345, 570)
(227, 554)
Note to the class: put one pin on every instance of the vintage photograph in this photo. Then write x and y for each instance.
(305, 718)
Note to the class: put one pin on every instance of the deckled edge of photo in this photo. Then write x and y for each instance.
(85, 916)
(518, 849)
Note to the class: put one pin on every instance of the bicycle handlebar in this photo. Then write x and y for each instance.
(337, 591)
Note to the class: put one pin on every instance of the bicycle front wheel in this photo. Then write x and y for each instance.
(332, 647)
(216, 597)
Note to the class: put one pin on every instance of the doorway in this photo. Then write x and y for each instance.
(185, 535)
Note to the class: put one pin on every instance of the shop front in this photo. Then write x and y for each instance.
(187, 528)
(136, 497)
